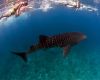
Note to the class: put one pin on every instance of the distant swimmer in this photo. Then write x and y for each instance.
(73, 4)
(15, 10)
(78, 4)
(65, 41)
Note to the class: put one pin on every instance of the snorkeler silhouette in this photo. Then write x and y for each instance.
(15, 10)
(78, 4)
(74, 5)
(65, 41)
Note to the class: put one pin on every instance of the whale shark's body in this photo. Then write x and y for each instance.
(65, 41)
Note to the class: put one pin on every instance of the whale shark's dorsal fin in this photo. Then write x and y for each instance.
(43, 38)
(23, 55)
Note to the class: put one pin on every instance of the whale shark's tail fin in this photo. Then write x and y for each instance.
(23, 55)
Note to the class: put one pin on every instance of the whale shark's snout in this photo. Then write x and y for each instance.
(84, 37)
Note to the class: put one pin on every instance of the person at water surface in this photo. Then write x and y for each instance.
(16, 9)
(73, 4)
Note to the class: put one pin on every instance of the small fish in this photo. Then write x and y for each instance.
(65, 41)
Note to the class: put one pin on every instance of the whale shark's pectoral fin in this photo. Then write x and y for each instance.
(23, 55)
(66, 49)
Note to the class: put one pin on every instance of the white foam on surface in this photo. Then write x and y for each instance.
(45, 5)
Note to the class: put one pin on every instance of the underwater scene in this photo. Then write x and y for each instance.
(17, 34)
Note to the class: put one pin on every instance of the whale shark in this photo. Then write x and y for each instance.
(65, 40)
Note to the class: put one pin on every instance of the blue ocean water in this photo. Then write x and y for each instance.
(82, 63)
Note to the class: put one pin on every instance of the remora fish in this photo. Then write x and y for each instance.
(65, 41)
